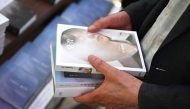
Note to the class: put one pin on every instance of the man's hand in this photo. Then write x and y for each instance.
(119, 89)
(120, 20)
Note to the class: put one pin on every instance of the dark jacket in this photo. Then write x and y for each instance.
(169, 89)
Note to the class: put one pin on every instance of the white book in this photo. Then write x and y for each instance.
(44, 97)
(2, 31)
(60, 81)
(4, 3)
(72, 91)
(4, 22)
(1, 45)
(2, 38)
(119, 48)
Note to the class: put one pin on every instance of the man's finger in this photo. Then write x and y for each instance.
(99, 24)
(85, 99)
(102, 66)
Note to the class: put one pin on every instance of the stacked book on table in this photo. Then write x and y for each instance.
(20, 16)
(4, 22)
(26, 80)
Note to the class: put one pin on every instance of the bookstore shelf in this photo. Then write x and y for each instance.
(45, 13)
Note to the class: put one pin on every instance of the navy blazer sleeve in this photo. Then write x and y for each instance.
(164, 97)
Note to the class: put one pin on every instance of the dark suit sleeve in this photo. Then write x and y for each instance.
(164, 97)
(138, 11)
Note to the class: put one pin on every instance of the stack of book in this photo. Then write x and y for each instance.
(26, 87)
(72, 73)
(4, 22)
(70, 86)
(20, 16)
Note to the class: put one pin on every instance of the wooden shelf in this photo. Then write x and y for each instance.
(45, 13)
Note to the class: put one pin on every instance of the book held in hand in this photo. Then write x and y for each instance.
(118, 48)
(70, 87)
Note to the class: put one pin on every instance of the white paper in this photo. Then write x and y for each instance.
(44, 97)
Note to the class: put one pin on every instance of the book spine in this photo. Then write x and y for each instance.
(13, 30)
(74, 69)
(82, 75)
(77, 84)
(72, 92)
(74, 72)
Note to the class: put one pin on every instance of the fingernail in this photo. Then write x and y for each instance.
(92, 27)
(92, 58)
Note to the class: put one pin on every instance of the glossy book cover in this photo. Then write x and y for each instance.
(32, 65)
(44, 39)
(118, 48)
(5, 105)
(18, 87)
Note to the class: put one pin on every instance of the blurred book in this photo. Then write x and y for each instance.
(4, 22)
(70, 87)
(5, 105)
(2, 39)
(53, 2)
(48, 35)
(20, 16)
(69, 13)
(118, 48)
(36, 65)
(4, 3)
(18, 87)
(44, 97)
(86, 11)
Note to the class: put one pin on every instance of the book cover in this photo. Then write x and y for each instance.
(48, 34)
(86, 12)
(18, 87)
(20, 16)
(38, 53)
(32, 65)
(4, 22)
(5, 105)
(118, 48)
(60, 81)
(95, 10)
(69, 12)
